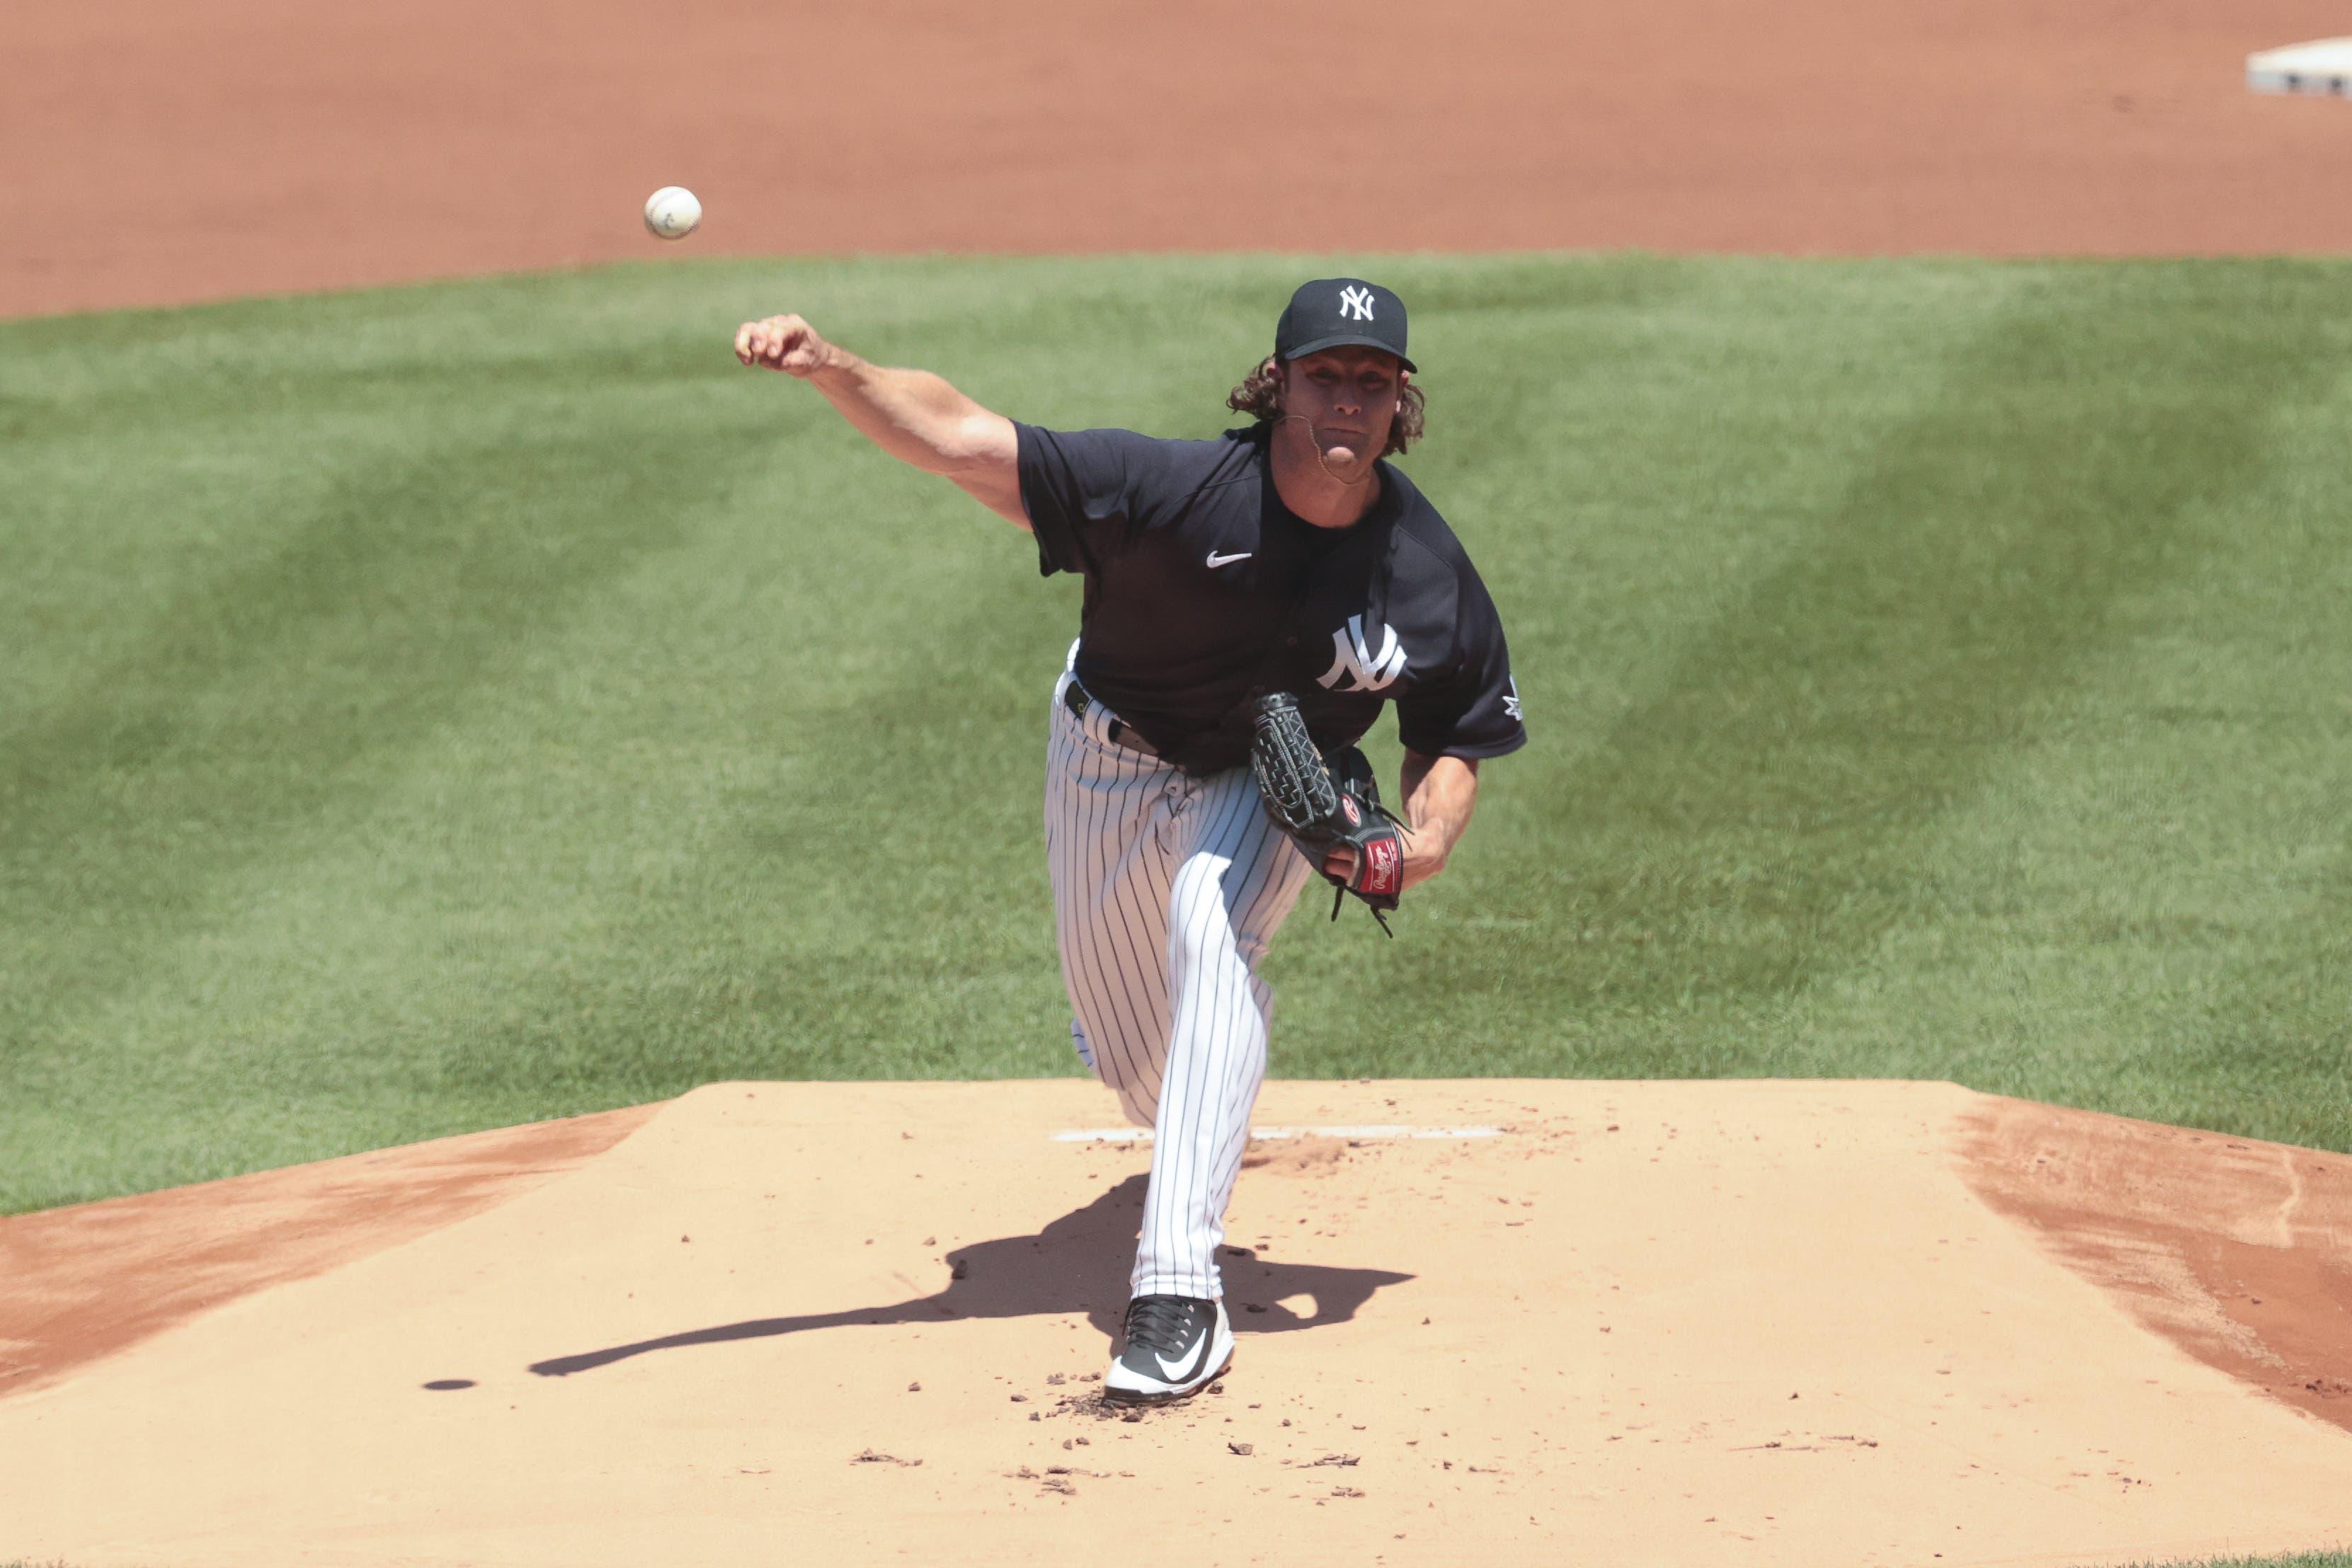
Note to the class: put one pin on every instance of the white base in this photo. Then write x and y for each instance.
(2322, 69)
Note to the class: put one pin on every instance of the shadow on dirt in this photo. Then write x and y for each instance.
(1078, 1263)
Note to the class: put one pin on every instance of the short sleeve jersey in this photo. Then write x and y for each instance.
(1201, 588)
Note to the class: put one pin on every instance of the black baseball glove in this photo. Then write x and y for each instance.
(1324, 804)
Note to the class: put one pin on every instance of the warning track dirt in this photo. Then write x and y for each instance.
(162, 153)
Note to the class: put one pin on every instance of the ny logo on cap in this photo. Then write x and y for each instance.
(1355, 304)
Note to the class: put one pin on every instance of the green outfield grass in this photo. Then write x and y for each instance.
(452, 706)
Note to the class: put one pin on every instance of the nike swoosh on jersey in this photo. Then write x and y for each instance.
(1216, 560)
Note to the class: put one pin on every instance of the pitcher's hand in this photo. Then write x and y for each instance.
(783, 343)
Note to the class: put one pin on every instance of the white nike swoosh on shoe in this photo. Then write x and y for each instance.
(1217, 560)
(1179, 1372)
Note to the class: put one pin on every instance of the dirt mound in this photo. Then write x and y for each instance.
(1797, 1323)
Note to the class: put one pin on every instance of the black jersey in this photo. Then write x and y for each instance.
(1201, 587)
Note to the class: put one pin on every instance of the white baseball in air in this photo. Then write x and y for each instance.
(672, 213)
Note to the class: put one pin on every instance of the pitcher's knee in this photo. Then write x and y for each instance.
(1203, 947)
(1114, 1068)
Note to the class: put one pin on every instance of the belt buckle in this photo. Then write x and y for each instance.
(1076, 697)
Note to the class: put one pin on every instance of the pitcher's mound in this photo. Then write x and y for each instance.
(1591, 1323)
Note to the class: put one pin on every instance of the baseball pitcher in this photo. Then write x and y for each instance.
(1251, 602)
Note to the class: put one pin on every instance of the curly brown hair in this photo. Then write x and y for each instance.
(1260, 397)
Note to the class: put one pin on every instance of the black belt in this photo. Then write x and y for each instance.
(1075, 698)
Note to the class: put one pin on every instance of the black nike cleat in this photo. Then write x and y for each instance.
(1176, 1346)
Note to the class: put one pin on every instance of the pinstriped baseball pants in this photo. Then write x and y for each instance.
(1167, 889)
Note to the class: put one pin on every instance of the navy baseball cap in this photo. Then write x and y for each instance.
(1333, 312)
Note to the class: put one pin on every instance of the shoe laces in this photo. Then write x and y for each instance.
(1159, 1323)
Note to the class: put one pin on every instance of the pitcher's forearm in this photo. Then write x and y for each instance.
(914, 415)
(1438, 794)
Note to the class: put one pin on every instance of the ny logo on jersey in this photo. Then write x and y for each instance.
(1355, 304)
(1511, 703)
(1356, 662)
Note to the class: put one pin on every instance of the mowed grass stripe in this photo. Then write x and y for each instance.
(2145, 910)
(451, 707)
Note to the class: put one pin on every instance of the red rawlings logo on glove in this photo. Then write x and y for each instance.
(1383, 867)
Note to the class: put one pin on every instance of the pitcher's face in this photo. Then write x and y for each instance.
(1348, 399)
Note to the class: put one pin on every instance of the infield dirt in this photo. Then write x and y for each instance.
(1769, 1323)
(159, 154)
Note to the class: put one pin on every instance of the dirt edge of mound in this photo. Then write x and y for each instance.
(96, 1277)
(2239, 1251)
